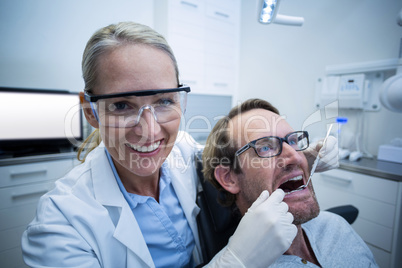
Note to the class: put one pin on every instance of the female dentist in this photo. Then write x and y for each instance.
(131, 203)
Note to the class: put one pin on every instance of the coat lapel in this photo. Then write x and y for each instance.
(128, 233)
(108, 193)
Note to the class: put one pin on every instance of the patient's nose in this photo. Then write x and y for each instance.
(290, 155)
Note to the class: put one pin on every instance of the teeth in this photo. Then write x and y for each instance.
(145, 149)
(298, 189)
(298, 178)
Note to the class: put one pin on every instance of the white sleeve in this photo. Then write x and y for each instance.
(55, 243)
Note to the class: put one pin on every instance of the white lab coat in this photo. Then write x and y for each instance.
(86, 222)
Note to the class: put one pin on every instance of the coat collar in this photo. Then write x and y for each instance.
(127, 230)
(106, 190)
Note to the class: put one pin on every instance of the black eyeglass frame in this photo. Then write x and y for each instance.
(251, 144)
(149, 92)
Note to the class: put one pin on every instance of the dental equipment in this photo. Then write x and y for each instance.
(268, 13)
(317, 159)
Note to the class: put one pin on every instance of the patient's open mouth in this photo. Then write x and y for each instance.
(292, 184)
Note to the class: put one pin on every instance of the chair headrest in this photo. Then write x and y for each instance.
(221, 216)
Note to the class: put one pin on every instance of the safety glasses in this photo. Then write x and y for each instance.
(122, 110)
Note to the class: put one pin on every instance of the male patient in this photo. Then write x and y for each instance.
(255, 149)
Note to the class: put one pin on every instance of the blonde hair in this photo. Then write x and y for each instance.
(107, 39)
(90, 143)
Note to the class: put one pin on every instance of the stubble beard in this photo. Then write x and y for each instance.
(310, 209)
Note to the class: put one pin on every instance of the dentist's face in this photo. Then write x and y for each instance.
(138, 150)
(288, 170)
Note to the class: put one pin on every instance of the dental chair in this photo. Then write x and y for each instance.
(216, 224)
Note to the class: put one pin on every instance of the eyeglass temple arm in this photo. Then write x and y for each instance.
(305, 135)
(94, 111)
(87, 97)
(242, 149)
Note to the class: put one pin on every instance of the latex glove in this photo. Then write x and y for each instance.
(264, 233)
(329, 158)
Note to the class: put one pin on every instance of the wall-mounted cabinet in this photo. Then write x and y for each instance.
(204, 36)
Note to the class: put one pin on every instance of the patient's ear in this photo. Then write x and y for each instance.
(227, 179)
(86, 107)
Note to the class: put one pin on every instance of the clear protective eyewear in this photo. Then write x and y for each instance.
(122, 110)
(271, 146)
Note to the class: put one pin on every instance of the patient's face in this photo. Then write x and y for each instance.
(288, 170)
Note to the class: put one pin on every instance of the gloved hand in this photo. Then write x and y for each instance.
(264, 233)
(329, 158)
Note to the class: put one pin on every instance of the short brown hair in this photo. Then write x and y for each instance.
(220, 150)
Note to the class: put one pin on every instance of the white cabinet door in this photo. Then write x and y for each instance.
(11, 197)
(204, 36)
(21, 186)
(35, 172)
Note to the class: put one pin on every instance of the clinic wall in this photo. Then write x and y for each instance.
(282, 63)
(42, 41)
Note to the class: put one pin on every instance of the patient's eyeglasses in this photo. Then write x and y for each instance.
(122, 110)
(272, 146)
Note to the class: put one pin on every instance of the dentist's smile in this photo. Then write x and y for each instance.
(143, 148)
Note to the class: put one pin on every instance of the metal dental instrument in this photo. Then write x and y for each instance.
(317, 159)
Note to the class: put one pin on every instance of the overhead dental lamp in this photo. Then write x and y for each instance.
(268, 13)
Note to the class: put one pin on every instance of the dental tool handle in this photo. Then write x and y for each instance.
(317, 159)
(304, 186)
(312, 172)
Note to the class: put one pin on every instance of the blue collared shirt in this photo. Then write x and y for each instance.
(164, 226)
